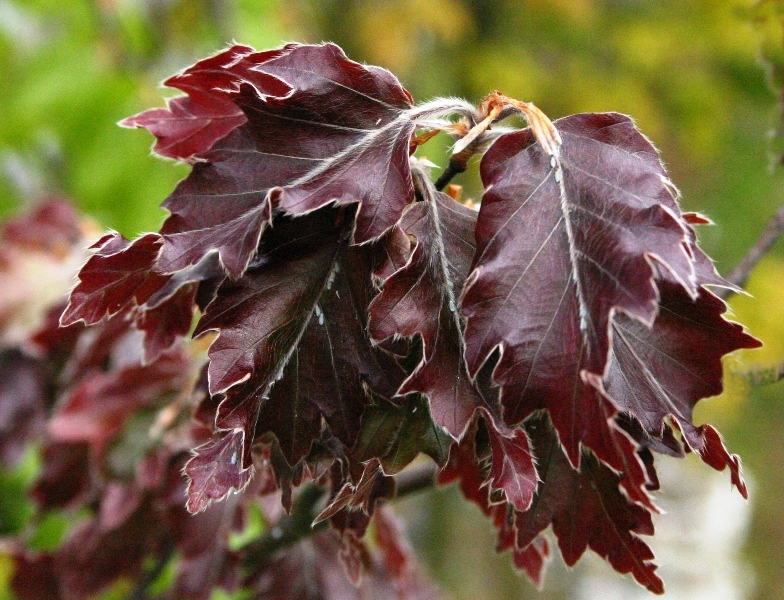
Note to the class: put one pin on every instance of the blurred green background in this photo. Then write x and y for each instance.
(697, 75)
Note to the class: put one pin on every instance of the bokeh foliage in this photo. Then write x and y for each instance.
(689, 71)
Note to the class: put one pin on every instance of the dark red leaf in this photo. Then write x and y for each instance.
(66, 478)
(663, 371)
(390, 540)
(464, 467)
(95, 411)
(55, 341)
(34, 577)
(118, 275)
(261, 317)
(201, 540)
(354, 555)
(586, 509)
(207, 273)
(334, 365)
(98, 552)
(166, 322)
(23, 399)
(421, 298)
(364, 494)
(312, 571)
(292, 333)
(512, 468)
(562, 245)
(51, 227)
(192, 124)
(533, 559)
(340, 136)
(216, 469)
(580, 232)
(394, 253)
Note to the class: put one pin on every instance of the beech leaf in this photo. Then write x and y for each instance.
(562, 245)
(22, 403)
(662, 371)
(191, 124)
(464, 466)
(118, 275)
(512, 467)
(292, 350)
(586, 509)
(165, 323)
(421, 298)
(215, 470)
(341, 134)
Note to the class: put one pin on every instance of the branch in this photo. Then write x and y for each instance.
(770, 235)
(288, 530)
(140, 591)
(416, 480)
(298, 525)
(452, 169)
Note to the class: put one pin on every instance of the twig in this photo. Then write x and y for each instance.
(741, 273)
(298, 525)
(140, 591)
(452, 169)
(416, 480)
(288, 530)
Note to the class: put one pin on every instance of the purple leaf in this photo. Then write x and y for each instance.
(191, 124)
(165, 323)
(118, 275)
(23, 401)
(96, 552)
(52, 227)
(533, 559)
(473, 476)
(307, 330)
(512, 469)
(66, 476)
(421, 298)
(215, 470)
(312, 571)
(562, 245)
(34, 577)
(95, 410)
(340, 135)
(586, 509)
(661, 372)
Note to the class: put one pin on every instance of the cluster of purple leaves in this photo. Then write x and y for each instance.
(115, 409)
(540, 350)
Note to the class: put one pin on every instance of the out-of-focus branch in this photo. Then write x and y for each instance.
(298, 525)
(416, 480)
(142, 587)
(770, 235)
(288, 530)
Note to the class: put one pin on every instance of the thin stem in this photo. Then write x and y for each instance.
(770, 235)
(452, 169)
(298, 525)
(288, 530)
(140, 591)
(415, 480)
